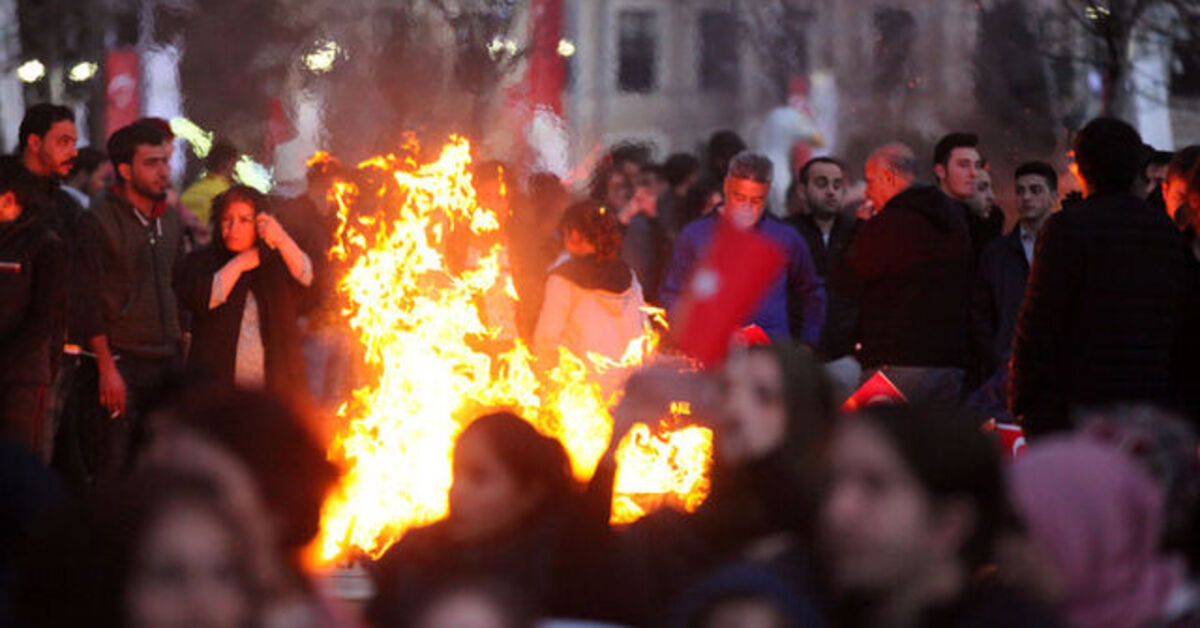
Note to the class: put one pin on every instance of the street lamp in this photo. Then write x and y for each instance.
(31, 71)
(83, 71)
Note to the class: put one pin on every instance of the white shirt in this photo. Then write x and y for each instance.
(1028, 239)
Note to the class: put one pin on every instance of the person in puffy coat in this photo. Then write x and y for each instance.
(593, 301)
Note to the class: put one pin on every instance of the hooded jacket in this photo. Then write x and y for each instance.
(138, 260)
(590, 306)
(910, 269)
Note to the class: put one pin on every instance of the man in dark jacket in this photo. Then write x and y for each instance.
(1000, 285)
(959, 170)
(910, 270)
(141, 244)
(1102, 311)
(46, 146)
(746, 188)
(33, 269)
(828, 232)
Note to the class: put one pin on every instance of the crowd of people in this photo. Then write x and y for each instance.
(162, 357)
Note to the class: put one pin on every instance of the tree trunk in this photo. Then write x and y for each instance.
(1117, 96)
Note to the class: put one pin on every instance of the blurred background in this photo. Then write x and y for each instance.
(546, 84)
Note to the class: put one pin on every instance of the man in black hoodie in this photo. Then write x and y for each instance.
(1103, 307)
(910, 270)
(32, 295)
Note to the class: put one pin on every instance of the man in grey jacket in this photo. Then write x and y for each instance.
(140, 244)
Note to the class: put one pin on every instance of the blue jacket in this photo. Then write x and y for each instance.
(772, 316)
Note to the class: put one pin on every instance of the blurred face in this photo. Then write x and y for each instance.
(577, 245)
(745, 200)
(620, 190)
(10, 209)
(101, 179)
(54, 153)
(238, 227)
(745, 613)
(149, 174)
(985, 196)
(881, 185)
(876, 519)
(825, 190)
(463, 610)
(1156, 174)
(1035, 198)
(752, 421)
(187, 574)
(1175, 194)
(960, 174)
(486, 500)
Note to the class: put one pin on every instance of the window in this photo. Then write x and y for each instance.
(895, 34)
(636, 48)
(718, 51)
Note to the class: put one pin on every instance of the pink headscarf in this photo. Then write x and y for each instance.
(1097, 516)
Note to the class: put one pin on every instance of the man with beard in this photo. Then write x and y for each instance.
(47, 153)
(140, 244)
(828, 232)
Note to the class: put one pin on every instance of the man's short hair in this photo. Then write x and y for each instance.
(752, 166)
(162, 124)
(1158, 158)
(123, 144)
(1040, 168)
(803, 174)
(38, 120)
(1183, 161)
(1109, 154)
(222, 156)
(951, 141)
(87, 161)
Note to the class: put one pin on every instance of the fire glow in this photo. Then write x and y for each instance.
(441, 346)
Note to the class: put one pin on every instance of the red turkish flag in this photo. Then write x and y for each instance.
(726, 286)
(878, 390)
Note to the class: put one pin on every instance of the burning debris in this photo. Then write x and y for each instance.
(439, 339)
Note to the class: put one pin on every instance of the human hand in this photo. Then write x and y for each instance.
(113, 395)
(269, 230)
(247, 260)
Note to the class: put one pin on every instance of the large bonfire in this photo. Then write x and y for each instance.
(441, 350)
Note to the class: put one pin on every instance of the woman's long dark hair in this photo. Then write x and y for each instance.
(598, 225)
(533, 459)
(236, 194)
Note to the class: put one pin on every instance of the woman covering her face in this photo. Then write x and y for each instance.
(242, 293)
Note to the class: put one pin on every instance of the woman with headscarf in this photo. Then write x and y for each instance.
(1096, 517)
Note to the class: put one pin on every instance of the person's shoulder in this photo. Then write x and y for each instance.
(699, 228)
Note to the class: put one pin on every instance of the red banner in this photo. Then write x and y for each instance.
(547, 68)
(122, 78)
(726, 286)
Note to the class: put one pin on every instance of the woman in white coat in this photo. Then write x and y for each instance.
(593, 301)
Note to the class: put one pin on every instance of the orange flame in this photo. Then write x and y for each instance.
(430, 335)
